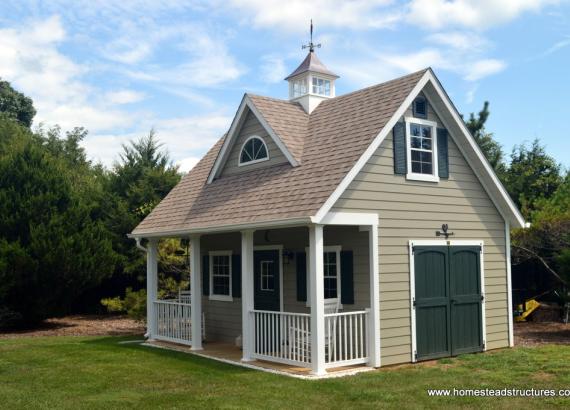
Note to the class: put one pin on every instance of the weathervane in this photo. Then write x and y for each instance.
(311, 46)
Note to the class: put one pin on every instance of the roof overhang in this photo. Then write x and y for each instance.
(445, 109)
(245, 105)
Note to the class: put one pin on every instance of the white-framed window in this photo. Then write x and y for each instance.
(321, 86)
(331, 273)
(421, 145)
(253, 150)
(267, 276)
(299, 87)
(221, 275)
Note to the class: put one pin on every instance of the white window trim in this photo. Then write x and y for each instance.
(255, 161)
(332, 248)
(434, 177)
(311, 85)
(224, 298)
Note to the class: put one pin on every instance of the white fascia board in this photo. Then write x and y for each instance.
(228, 142)
(428, 77)
(282, 223)
(349, 218)
(329, 203)
(510, 205)
(232, 134)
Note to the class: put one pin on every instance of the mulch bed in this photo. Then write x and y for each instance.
(540, 333)
(82, 325)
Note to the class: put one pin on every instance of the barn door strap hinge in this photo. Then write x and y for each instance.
(482, 297)
(414, 302)
(415, 355)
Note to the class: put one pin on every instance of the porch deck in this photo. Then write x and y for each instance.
(229, 353)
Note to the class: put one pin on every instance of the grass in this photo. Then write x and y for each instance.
(100, 372)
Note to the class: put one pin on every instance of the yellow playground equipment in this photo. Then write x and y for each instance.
(525, 309)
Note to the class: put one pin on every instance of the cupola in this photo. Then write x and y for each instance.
(312, 82)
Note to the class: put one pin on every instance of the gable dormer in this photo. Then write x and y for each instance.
(253, 148)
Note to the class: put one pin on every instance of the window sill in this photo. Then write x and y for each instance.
(221, 298)
(422, 177)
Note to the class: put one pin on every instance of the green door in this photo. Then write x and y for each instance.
(466, 299)
(447, 301)
(266, 280)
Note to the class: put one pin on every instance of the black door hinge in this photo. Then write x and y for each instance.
(414, 302)
(415, 355)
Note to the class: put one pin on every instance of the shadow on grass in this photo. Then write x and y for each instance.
(116, 343)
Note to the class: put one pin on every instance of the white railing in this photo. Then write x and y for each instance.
(282, 337)
(173, 321)
(346, 338)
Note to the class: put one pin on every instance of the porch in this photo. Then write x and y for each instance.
(298, 299)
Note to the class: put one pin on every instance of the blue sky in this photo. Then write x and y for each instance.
(120, 68)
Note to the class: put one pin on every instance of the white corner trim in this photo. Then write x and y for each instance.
(509, 283)
(232, 133)
(253, 161)
(349, 218)
(412, 299)
(349, 177)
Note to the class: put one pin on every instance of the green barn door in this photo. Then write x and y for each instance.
(466, 299)
(447, 301)
(432, 302)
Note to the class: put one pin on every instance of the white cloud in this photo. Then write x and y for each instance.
(557, 46)
(483, 68)
(474, 14)
(31, 60)
(185, 138)
(294, 15)
(186, 164)
(124, 96)
(273, 69)
(458, 40)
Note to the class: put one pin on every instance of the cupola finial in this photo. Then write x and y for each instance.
(311, 46)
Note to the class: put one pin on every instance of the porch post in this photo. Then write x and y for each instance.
(151, 287)
(196, 292)
(374, 323)
(248, 331)
(316, 289)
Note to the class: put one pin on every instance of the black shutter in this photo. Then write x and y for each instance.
(346, 278)
(301, 260)
(236, 276)
(442, 153)
(400, 162)
(206, 275)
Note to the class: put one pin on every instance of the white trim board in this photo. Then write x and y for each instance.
(229, 140)
(506, 202)
(444, 242)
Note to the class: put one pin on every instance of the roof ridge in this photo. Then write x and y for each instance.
(380, 84)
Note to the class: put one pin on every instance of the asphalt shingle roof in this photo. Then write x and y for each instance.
(328, 143)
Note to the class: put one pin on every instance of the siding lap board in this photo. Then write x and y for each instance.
(415, 210)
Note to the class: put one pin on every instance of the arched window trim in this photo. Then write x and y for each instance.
(254, 161)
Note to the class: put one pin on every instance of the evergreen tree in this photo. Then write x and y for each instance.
(491, 148)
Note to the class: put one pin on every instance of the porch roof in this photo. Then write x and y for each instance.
(328, 142)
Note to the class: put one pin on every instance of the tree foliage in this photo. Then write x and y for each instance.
(16, 105)
(491, 148)
(532, 176)
(53, 245)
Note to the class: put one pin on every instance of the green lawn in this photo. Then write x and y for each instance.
(98, 372)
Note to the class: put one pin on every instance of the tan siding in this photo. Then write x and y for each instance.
(415, 210)
(250, 127)
(223, 318)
